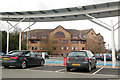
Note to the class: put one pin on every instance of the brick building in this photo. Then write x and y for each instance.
(60, 40)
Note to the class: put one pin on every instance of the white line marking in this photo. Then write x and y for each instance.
(59, 70)
(98, 70)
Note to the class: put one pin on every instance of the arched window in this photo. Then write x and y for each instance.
(59, 35)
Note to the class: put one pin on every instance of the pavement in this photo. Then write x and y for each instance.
(59, 61)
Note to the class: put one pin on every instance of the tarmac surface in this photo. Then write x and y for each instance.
(58, 70)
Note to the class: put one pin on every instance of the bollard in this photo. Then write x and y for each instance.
(104, 59)
(64, 61)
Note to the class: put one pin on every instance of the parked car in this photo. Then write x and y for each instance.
(46, 55)
(108, 57)
(21, 59)
(1, 53)
(118, 57)
(81, 59)
(97, 56)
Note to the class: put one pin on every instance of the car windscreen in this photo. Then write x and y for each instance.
(14, 53)
(78, 53)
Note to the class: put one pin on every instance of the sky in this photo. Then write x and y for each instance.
(34, 5)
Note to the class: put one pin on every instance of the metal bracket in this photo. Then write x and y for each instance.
(13, 26)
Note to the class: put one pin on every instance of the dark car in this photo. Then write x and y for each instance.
(108, 57)
(81, 59)
(21, 59)
(118, 57)
(97, 56)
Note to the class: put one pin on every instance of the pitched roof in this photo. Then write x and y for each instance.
(40, 32)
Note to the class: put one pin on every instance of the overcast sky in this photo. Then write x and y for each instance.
(34, 5)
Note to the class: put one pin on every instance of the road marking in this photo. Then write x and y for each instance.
(59, 70)
(98, 70)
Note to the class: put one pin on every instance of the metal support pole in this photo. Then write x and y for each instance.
(113, 44)
(28, 38)
(20, 39)
(104, 59)
(7, 41)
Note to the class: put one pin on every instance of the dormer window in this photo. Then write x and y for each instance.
(44, 36)
(74, 36)
(59, 35)
(91, 33)
(34, 36)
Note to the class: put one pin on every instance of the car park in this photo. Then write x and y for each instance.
(108, 57)
(21, 59)
(81, 59)
(97, 56)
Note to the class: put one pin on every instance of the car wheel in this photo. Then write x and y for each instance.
(42, 63)
(68, 69)
(23, 64)
(89, 68)
(6, 66)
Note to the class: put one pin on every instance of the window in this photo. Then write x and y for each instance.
(77, 53)
(84, 36)
(59, 35)
(64, 41)
(24, 36)
(14, 53)
(32, 54)
(82, 48)
(82, 42)
(64, 48)
(55, 48)
(34, 36)
(91, 33)
(74, 36)
(75, 42)
(34, 48)
(27, 54)
(34, 41)
(90, 54)
(44, 36)
(43, 48)
(74, 48)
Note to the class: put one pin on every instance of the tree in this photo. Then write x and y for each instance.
(50, 45)
(94, 46)
(4, 40)
(13, 41)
